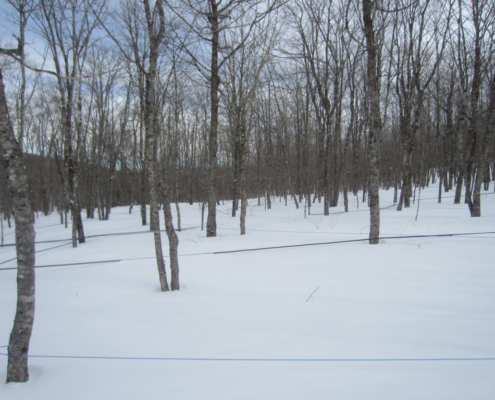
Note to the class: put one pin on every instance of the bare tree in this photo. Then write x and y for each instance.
(108, 122)
(244, 71)
(420, 39)
(374, 116)
(482, 159)
(155, 21)
(208, 20)
(145, 54)
(13, 161)
(67, 28)
(24, 9)
(475, 55)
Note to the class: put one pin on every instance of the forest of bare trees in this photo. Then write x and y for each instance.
(291, 99)
(157, 102)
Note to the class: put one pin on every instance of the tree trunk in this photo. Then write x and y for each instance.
(236, 165)
(173, 243)
(346, 199)
(177, 209)
(294, 197)
(211, 222)
(440, 183)
(162, 274)
(483, 157)
(150, 126)
(173, 240)
(375, 123)
(244, 153)
(142, 188)
(458, 188)
(476, 205)
(11, 156)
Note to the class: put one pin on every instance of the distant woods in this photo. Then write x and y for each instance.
(208, 101)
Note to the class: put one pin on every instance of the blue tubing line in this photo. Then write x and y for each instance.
(259, 359)
(13, 342)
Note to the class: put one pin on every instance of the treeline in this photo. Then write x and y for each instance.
(292, 106)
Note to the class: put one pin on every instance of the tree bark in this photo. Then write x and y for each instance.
(483, 157)
(473, 156)
(244, 154)
(211, 222)
(375, 123)
(11, 156)
(173, 241)
(150, 123)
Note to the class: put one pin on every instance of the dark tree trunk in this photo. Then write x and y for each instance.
(244, 148)
(236, 165)
(211, 222)
(458, 188)
(375, 123)
(346, 199)
(483, 157)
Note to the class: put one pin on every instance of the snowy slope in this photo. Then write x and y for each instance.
(409, 298)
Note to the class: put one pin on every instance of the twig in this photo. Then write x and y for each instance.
(311, 295)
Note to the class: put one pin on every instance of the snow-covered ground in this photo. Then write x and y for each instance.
(409, 298)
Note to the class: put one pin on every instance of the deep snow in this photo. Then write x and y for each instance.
(403, 299)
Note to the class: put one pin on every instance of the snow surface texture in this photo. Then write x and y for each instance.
(403, 299)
